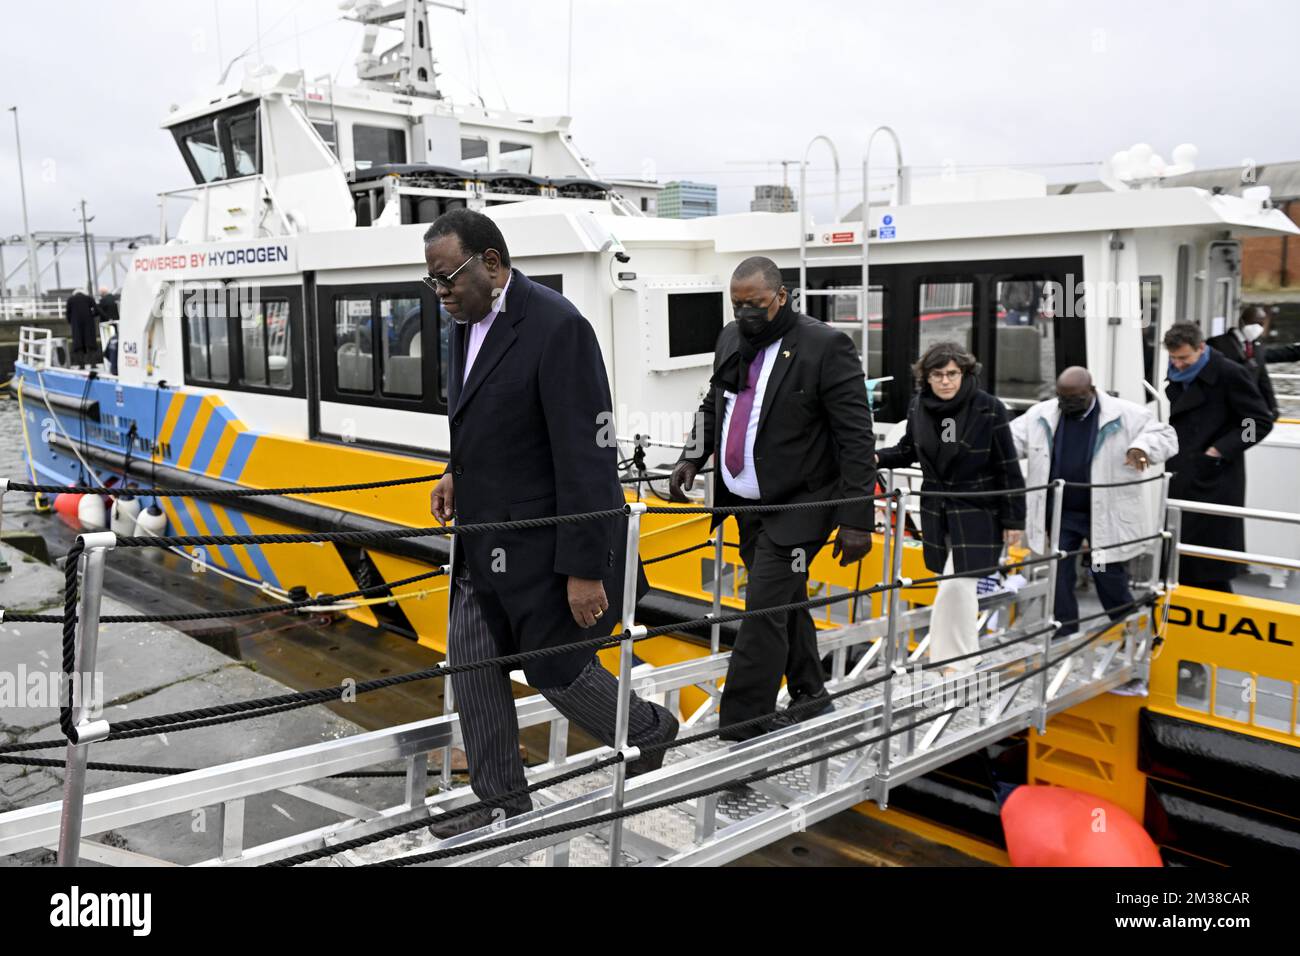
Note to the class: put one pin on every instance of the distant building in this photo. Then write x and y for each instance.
(773, 199)
(683, 200)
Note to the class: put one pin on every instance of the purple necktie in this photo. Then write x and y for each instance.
(739, 425)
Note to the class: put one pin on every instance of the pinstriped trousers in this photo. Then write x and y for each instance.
(486, 702)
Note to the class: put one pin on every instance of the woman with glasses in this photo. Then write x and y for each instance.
(961, 437)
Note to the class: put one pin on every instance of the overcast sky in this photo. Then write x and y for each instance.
(694, 89)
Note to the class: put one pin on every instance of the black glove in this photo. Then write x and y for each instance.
(851, 545)
(683, 476)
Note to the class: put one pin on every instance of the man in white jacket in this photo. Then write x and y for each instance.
(1087, 437)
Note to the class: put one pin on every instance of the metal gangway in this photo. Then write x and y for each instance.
(895, 717)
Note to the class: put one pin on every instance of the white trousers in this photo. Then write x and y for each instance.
(954, 621)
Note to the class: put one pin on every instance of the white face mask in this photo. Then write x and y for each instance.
(1251, 332)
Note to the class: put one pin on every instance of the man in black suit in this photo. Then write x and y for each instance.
(786, 419)
(1219, 415)
(1242, 343)
(526, 397)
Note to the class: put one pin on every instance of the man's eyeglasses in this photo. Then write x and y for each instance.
(436, 281)
(940, 375)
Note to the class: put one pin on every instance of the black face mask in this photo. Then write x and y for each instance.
(752, 319)
(1074, 405)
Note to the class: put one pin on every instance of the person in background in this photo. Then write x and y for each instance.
(108, 310)
(1243, 344)
(1087, 437)
(83, 317)
(785, 419)
(526, 395)
(1219, 414)
(962, 439)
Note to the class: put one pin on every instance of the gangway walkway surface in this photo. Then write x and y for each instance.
(894, 718)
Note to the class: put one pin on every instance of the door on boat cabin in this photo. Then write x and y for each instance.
(1023, 320)
(380, 366)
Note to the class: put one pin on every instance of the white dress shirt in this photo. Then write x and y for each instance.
(479, 330)
(745, 484)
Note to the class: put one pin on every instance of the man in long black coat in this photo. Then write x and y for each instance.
(1219, 414)
(83, 317)
(526, 400)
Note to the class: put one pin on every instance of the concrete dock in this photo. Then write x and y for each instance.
(152, 669)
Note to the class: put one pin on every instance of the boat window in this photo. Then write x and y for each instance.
(516, 158)
(218, 344)
(1193, 686)
(353, 353)
(1273, 699)
(403, 370)
(376, 146)
(1025, 338)
(222, 145)
(204, 150)
(474, 154)
(264, 337)
(694, 321)
(197, 336)
(1233, 692)
(327, 133)
(1151, 293)
(243, 143)
(945, 313)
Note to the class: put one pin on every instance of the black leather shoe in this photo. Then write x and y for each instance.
(805, 707)
(668, 726)
(474, 820)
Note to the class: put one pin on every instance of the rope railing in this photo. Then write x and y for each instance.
(246, 710)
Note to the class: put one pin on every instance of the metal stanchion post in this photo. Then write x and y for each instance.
(448, 695)
(719, 558)
(892, 638)
(630, 631)
(1049, 600)
(4, 489)
(97, 546)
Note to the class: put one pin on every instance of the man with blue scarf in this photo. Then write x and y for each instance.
(1218, 412)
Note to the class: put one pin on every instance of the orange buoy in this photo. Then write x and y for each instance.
(66, 506)
(1056, 826)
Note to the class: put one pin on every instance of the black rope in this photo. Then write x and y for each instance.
(70, 594)
(232, 612)
(28, 487)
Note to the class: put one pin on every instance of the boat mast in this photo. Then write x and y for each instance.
(408, 66)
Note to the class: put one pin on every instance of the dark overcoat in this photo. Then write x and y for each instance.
(1222, 407)
(526, 442)
(987, 462)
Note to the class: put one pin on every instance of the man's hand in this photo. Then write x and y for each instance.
(1213, 452)
(587, 600)
(851, 545)
(1137, 459)
(1013, 538)
(442, 499)
(683, 477)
